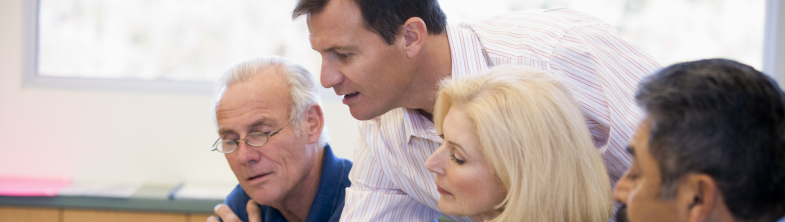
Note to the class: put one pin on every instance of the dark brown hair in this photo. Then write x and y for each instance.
(385, 17)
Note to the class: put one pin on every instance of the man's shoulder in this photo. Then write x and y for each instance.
(338, 167)
(344, 165)
(335, 160)
(543, 27)
(562, 18)
(529, 37)
(347, 167)
(345, 162)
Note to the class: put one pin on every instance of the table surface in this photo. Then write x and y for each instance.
(162, 205)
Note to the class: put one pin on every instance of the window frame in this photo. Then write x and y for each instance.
(773, 44)
(32, 79)
(772, 41)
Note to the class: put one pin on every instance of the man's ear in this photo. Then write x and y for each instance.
(414, 33)
(315, 120)
(701, 196)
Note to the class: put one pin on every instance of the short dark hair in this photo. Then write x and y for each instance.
(385, 17)
(724, 119)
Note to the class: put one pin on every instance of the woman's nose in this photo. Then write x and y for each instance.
(434, 163)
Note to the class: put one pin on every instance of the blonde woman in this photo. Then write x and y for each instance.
(516, 148)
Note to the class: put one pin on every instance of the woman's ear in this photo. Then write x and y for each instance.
(414, 33)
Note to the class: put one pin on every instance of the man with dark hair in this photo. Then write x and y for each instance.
(387, 57)
(711, 147)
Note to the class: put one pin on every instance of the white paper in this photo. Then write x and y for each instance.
(99, 189)
(199, 191)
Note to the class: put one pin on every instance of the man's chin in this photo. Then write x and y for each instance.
(364, 114)
(264, 195)
(262, 198)
(621, 215)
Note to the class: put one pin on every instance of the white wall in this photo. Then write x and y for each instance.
(136, 136)
(113, 136)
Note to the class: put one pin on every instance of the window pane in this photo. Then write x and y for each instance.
(179, 40)
(196, 40)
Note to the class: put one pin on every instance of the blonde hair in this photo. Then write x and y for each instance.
(536, 141)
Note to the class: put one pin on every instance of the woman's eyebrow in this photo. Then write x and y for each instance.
(458, 146)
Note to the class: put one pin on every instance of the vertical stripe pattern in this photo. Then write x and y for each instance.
(389, 178)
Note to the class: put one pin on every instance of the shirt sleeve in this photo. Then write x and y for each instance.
(373, 197)
(603, 70)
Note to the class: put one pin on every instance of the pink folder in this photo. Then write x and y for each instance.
(21, 186)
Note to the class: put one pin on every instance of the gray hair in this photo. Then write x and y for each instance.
(301, 84)
(724, 119)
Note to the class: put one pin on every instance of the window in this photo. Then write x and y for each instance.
(670, 30)
(195, 41)
(170, 40)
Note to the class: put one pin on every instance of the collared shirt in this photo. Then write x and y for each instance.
(326, 206)
(391, 183)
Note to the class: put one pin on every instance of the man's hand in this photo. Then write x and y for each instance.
(226, 214)
(254, 213)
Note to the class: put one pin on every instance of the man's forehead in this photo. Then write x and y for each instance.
(335, 9)
(642, 132)
(263, 94)
(639, 144)
(230, 108)
(258, 88)
(337, 22)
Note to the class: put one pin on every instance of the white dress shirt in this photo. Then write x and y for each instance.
(389, 178)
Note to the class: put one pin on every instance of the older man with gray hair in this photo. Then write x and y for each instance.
(270, 125)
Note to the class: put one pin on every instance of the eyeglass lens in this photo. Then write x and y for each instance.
(253, 139)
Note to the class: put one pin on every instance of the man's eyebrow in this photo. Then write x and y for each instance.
(226, 131)
(258, 123)
(335, 48)
(631, 150)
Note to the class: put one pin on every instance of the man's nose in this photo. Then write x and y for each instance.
(247, 153)
(622, 189)
(434, 163)
(330, 75)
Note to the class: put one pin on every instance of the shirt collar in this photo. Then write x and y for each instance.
(468, 59)
(327, 197)
(419, 126)
(468, 56)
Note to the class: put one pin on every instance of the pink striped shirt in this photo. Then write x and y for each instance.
(389, 178)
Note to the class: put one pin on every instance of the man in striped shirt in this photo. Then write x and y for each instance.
(387, 57)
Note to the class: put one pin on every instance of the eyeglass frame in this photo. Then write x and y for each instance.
(215, 145)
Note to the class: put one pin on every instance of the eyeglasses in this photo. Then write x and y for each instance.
(256, 139)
